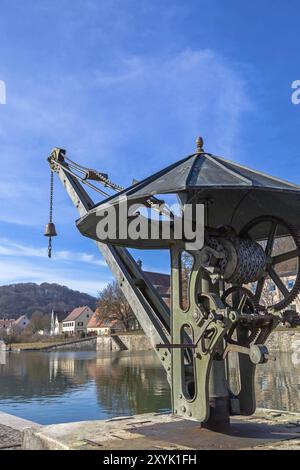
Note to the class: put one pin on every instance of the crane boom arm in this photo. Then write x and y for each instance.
(150, 310)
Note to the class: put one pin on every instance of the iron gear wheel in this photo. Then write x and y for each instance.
(272, 261)
(249, 304)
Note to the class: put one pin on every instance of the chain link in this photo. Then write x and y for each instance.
(51, 211)
(51, 196)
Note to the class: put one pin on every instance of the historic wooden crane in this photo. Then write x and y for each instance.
(247, 243)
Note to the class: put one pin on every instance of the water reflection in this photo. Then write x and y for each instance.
(2, 357)
(60, 387)
(71, 386)
(130, 383)
(33, 374)
(278, 383)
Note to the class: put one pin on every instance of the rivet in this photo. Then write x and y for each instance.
(183, 409)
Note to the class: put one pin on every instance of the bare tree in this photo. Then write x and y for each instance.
(186, 265)
(38, 322)
(112, 305)
(269, 295)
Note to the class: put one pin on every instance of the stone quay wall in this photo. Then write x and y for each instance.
(124, 342)
(283, 341)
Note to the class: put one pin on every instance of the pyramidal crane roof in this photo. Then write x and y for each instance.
(239, 194)
(203, 170)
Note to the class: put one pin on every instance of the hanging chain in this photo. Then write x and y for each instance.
(51, 197)
(50, 212)
(49, 247)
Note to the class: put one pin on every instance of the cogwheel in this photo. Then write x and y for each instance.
(288, 296)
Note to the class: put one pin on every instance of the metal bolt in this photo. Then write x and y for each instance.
(180, 395)
(232, 316)
(196, 315)
(183, 408)
(189, 413)
(175, 412)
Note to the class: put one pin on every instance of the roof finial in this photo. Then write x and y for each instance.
(199, 144)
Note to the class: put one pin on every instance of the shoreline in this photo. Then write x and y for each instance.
(281, 340)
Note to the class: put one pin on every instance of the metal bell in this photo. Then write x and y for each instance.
(50, 230)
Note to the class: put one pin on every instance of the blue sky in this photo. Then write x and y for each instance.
(126, 86)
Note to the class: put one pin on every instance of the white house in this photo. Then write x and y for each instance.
(76, 322)
(21, 323)
(12, 325)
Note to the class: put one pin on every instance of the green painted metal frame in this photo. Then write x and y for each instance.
(195, 406)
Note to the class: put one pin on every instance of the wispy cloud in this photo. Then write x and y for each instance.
(148, 106)
(10, 248)
(77, 270)
(128, 70)
(15, 271)
(149, 111)
(176, 96)
(109, 93)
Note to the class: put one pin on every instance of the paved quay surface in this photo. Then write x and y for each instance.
(267, 429)
(11, 428)
(10, 439)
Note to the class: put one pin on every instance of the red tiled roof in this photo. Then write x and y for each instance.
(75, 313)
(96, 322)
(162, 283)
(158, 279)
(93, 321)
(4, 323)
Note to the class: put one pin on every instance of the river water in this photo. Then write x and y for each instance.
(61, 387)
